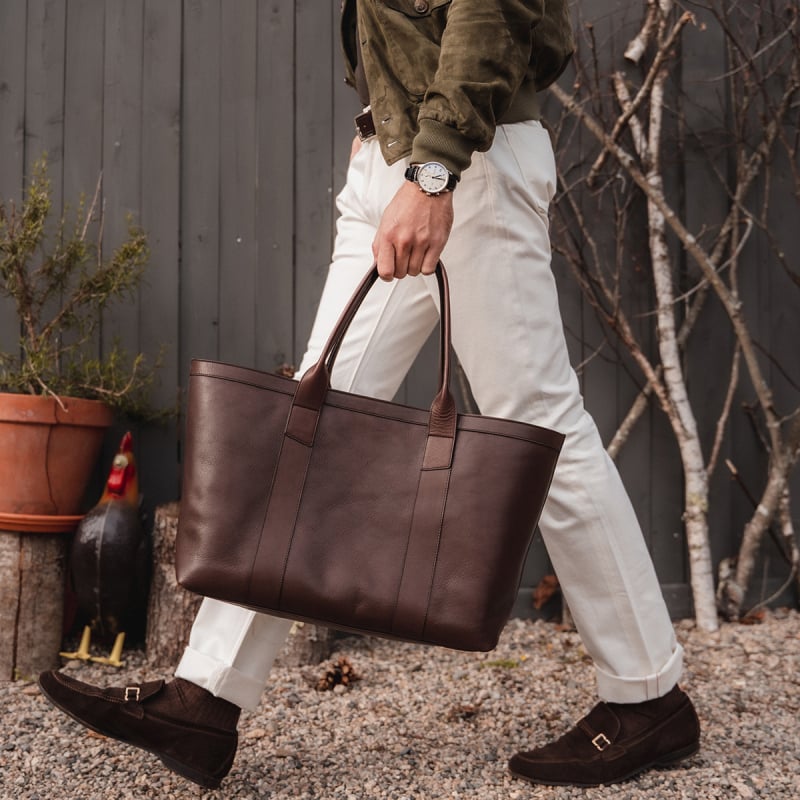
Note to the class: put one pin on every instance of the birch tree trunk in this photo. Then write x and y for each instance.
(764, 82)
(680, 413)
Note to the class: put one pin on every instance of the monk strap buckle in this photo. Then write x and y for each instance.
(601, 742)
(132, 694)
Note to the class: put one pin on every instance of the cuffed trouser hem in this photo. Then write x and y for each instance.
(231, 650)
(614, 689)
(221, 679)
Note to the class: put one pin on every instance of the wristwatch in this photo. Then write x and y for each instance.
(432, 177)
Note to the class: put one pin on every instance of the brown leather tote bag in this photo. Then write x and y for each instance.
(355, 513)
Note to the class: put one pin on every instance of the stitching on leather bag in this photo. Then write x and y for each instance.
(405, 552)
(463, 423)
(438, 548)
(255, 385)
(263, 522)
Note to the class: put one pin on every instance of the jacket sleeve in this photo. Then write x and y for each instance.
(485, 55)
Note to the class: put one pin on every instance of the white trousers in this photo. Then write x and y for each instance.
(508, 335)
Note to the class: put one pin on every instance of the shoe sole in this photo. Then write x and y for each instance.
(665, 761)
(183, 770)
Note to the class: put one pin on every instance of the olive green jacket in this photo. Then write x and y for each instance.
(442, 74)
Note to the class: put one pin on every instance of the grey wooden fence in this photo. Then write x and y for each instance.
(223, 128)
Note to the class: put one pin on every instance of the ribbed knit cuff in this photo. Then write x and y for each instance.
(438, 142)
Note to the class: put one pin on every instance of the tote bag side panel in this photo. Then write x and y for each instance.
(234, 434)
(498, 488)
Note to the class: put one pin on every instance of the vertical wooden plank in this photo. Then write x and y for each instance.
(121, 186)
(781, 311)
(160, 214)
(599, 350)
(771, 305)
(83, 99)
(84, 76)
(43, 46)
(775, 313)
(313, 159)
(275, 201)
(12, 98)
(44, 90)
(345, 107)
(44, 99)
(783, 308)
(12, 126)
(122, 142)
(200, 183)
(635, 461)
(667, 536)
(746, 451)
(237, 182)
(420, 385)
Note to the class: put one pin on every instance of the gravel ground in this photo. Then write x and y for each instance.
(425, 723)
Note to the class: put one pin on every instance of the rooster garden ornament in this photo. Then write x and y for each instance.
(110, 561)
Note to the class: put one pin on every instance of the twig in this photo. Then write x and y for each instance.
(638, 407)
(787, 532)
(48, 391)
(730, 302)
(637, 46)
(725, 413)
(92, 207)
(643, 93)
(703, 282)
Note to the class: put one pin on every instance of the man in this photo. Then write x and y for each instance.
(452, 161)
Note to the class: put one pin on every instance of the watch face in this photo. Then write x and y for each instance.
(433, 177)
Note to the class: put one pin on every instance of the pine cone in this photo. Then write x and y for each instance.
(338, 673)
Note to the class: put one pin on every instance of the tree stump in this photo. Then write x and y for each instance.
(32, 583)
(307, 644)
(171, 608)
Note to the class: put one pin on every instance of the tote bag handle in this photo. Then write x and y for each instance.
(315, 384)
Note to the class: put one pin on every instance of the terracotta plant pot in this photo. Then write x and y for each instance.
(47, 453)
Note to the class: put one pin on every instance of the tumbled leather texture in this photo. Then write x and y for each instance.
(358, 513)
(615, 742)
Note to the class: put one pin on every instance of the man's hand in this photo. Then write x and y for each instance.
(413, 232)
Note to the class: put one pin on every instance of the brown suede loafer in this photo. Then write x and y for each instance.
(614, 742)
(190, 730)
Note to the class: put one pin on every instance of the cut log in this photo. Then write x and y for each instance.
(171, 609)
(307, 644)
(32, 582)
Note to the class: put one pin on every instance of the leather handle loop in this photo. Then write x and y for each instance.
(314, 385)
